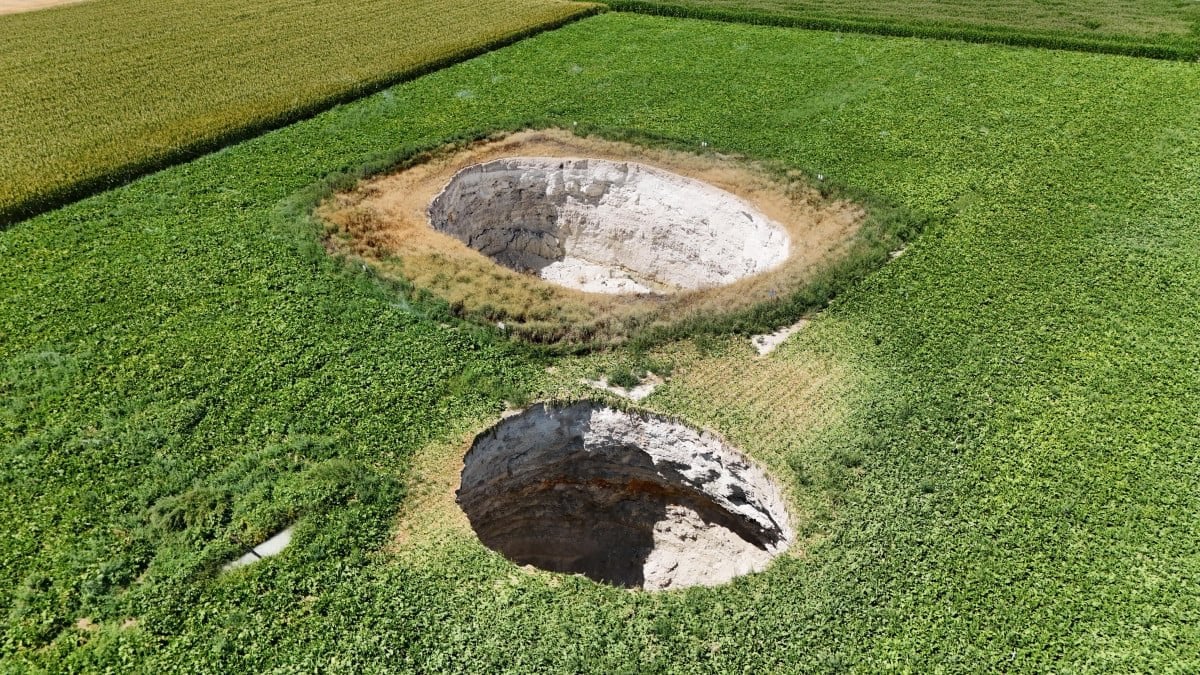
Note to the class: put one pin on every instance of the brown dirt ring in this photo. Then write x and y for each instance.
(568, 238)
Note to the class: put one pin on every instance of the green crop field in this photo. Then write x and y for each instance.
(990, 440)
(94, 93)
(1157, 28)
(1110, 17)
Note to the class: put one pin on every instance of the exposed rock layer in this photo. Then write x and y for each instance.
(606, 226)
(631, 499)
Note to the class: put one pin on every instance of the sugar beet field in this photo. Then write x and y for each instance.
(987, 440)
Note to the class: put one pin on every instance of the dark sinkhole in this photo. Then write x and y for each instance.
(626, 498)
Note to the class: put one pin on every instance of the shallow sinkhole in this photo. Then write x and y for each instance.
(626, 498)
(607, 226)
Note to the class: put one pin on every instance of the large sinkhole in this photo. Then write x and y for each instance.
(626, 498)
(607, 226)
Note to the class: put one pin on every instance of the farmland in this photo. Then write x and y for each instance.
(1160, 28)
(989, 440)
(96, 93)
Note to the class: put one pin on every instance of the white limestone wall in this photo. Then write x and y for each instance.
(608, 227)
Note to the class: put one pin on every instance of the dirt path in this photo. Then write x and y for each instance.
(17, 6)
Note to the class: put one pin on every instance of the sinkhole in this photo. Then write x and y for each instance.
(627, 498)
(606, 226)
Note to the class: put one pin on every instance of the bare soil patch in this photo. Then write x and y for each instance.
(17, 6)
(767, 343)
(385, 220)
(636, 393)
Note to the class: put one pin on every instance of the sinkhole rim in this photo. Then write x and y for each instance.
(623, 496)
(383, 220)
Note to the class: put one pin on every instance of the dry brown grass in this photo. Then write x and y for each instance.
(430, 514)
(384, 221)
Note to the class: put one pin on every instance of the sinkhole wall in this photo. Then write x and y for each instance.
(627, 498)
(607, 226)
